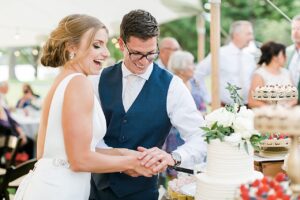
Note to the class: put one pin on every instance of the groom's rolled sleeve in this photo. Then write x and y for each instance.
(187, 120)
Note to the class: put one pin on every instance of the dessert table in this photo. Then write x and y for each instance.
(269, 166)
(29, 123)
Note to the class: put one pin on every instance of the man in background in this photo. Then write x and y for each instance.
(293, 53)
(167, 46)
(235, 65)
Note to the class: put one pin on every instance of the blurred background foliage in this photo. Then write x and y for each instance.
(268, 25)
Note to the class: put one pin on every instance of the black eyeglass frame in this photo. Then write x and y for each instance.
(142, 55)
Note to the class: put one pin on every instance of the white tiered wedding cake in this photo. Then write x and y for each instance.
(228, 166)
(230, 135)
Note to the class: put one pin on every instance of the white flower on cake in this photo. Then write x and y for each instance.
(232, 123)
(243, 123)
(221, 116)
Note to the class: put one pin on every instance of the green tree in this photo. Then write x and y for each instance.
(268, 23)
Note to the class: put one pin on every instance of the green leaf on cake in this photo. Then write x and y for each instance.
(225, 121)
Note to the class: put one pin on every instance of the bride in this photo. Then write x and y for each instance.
(72, 120)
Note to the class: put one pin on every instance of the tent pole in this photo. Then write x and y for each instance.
(215, 46)
(201, 37)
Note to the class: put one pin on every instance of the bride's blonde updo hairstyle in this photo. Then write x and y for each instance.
(69, 32)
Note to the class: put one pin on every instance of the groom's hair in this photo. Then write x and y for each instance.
(140, 24)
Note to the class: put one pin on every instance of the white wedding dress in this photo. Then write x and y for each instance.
(52, 178)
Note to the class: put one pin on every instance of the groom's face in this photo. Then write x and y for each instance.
(139, 53)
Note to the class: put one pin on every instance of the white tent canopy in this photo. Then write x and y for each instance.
(29, 22)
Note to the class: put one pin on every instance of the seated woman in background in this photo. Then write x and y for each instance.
(270, 71)
(181, 63)
(8, 126)
(29, 98)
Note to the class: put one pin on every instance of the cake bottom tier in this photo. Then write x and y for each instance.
(210, 188)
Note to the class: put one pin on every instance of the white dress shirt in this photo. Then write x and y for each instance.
(182, 112)
(235, 67)
(160, 64)
(294, 67)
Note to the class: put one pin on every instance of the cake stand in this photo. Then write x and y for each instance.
(274, 94)
(290, 125)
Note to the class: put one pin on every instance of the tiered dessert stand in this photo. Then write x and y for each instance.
(276, 145)
(288, 122)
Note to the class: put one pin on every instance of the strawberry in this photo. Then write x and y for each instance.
(280, 177)
(265, 180)
(243, 188)
(256, 183)
(271, 197)
(281, 136)
(272, 183)
(270, 137)
(245, 196)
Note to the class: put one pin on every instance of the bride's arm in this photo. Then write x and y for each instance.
(102, 147)
(112, 151)
(77, 124)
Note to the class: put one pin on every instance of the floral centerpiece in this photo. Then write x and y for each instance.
(232, 120)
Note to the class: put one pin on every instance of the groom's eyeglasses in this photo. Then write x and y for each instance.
(151, 56)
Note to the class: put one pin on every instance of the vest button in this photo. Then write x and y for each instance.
(125, 121)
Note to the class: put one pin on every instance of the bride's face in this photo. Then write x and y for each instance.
(91, 55)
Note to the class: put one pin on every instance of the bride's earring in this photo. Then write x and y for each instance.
(71, 55)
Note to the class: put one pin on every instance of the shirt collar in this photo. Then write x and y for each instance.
(145, 76)
(234, 48)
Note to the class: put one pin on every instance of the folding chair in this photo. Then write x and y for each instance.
(9, 144)
(13, 177)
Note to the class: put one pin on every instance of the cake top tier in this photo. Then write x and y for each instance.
(275, 92)
(276, 118)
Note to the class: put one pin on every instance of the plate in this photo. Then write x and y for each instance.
(189, 189)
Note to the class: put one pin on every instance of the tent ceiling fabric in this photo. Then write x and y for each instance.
(28, 22)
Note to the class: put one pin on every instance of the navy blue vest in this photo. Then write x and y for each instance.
(146, 123)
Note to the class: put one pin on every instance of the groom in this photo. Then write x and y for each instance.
(141, 101)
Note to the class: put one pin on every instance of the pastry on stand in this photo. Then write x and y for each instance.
(277, 142)
(286, 120)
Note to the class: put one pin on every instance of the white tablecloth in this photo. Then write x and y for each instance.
(29, 124)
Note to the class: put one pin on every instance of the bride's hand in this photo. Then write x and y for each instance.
(156, 159)
(138, 170)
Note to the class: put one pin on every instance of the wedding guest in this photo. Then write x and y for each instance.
(167, 46)
(235, 66)
(29, 98)
(8, 126)
(270, 71)
(293, 54)
(181, 63)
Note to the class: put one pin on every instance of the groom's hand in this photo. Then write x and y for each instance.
(155, 158)
(139, 170)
